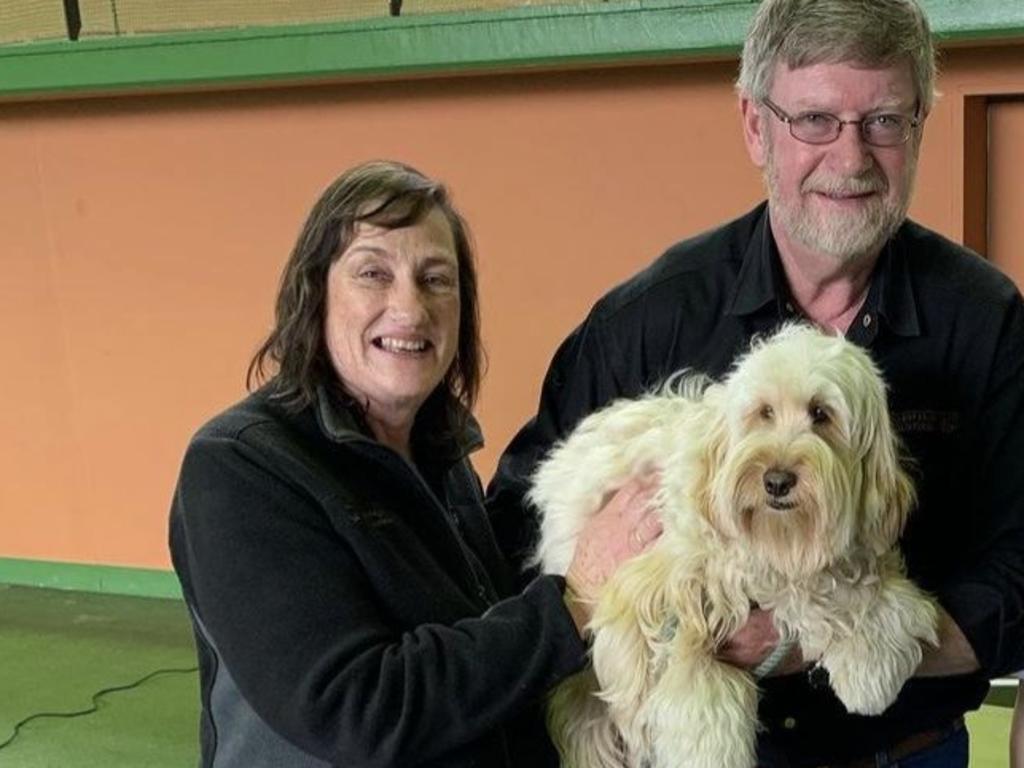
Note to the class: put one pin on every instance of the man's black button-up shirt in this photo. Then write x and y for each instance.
(946, 329)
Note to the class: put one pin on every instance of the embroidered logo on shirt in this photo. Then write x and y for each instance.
(372, 518)
(924, 421)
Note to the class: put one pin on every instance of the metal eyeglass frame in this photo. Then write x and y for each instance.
(784, 117)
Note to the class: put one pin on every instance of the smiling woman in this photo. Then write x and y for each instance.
(376, 250)
(392, 321)
(351, 602)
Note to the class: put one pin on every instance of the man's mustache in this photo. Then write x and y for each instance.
(865, 184)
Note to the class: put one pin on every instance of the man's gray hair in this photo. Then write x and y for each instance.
(874, 33)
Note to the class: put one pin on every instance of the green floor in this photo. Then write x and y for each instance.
(58, 648)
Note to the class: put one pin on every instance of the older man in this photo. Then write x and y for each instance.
(834, 95)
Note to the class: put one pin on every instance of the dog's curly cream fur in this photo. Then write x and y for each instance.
(821, 554)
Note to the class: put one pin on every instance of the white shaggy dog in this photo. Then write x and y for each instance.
(780, 486)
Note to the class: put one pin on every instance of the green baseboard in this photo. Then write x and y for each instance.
(109, 579)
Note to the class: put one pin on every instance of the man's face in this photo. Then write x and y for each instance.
(841, 200)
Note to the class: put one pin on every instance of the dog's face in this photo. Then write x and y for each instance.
(805, 464)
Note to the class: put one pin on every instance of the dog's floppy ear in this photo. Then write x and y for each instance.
(711, 457)
(888, 495)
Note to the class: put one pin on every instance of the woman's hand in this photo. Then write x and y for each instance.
(625, 526)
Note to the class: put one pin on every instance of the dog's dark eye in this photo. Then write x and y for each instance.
(766, 412)
(818, 415)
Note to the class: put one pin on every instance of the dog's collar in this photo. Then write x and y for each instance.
(668, 628)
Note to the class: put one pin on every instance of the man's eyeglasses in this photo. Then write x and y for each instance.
(882, 130)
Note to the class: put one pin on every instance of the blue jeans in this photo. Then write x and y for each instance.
(951, 752)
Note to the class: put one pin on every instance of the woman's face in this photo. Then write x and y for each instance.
(392, 320)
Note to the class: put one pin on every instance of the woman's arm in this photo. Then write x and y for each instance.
(284, 592)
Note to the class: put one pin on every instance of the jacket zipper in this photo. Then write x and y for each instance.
(446, 515)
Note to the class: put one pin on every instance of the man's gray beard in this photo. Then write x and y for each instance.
(845, 238)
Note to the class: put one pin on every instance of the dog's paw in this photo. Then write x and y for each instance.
(856, 686)
(868, 679)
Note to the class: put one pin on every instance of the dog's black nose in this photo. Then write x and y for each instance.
(779, 482)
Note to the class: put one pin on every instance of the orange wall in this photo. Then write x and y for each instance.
(141, 240)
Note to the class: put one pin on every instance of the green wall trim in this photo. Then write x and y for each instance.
(115, 580)
(520, 38)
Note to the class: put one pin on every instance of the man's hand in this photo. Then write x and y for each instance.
(753, 643)
(625, 526)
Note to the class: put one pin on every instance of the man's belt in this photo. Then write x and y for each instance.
(907, 746)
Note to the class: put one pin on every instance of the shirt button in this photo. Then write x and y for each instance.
(789, 723)
(789, 308)
(867, 320)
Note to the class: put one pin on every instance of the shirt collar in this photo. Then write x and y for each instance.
(894, 299)
(761, 282)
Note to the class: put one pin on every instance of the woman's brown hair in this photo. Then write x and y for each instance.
(386, 194)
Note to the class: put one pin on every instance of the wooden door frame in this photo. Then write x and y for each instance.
(970, 175)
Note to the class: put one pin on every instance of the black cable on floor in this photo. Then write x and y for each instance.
(95, 700)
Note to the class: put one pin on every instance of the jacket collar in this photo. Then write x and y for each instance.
(341, 423)
(761, 282)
